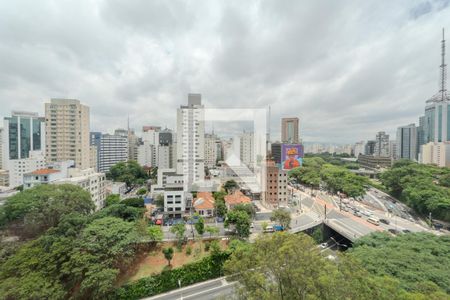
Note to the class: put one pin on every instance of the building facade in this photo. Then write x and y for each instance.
(113, 149)
(67, 132)
(290, 130)
(247, 149)
(191, 141)
(23, 145)
(407, 142)
(381, 144)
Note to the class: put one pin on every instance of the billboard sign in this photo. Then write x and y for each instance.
(291, 156)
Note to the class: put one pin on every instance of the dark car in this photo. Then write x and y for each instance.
(385, 221)
(393, 231)
(406, 231)
(438, 226)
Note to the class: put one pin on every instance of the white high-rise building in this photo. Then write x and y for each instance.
(211, 150)
(147, 154)
(67, 132)
(359, 148)
(113, 149)
(191, 141)
(382, 144)
(23, 145)
(393, 150)
(247, 149)
(407, 142)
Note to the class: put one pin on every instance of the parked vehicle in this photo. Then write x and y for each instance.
(357, 213)
(438, 226)
(406, 231)
(269, 228)
(393, 231)
(384, 221)
(278, 227)
(373, 221)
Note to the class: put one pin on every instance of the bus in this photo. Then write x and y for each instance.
(373, 221)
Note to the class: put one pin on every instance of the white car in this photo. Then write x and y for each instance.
(323, 245)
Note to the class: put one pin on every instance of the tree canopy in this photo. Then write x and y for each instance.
(282, 216)
(413, 258)
(241, 222)
(315, 171)
(129, 172)
(37, 209)
(422, 187)
(290, 266)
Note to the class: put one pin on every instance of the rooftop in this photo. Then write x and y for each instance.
(237, 198)
(44, 172)
(204, 200)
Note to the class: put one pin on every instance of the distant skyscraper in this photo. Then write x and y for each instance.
(407, 142)
(247, 149)
(359, 148)
(437, 111)
(370, 148)
(191, 141)
(381, 144)
(67, 132)
(289, 130)
(210, 150)
(23, 145)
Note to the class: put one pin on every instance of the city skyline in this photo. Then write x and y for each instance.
(119, 60)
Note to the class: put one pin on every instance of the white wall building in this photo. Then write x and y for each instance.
(191, 141)
(247, 149)
(113, 149)
(89, 180)
(359, 148)
(147, 154)
(211, 156)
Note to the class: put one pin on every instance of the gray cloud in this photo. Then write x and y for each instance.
(347, 69)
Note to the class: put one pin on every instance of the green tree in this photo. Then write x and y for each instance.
(282, 216)
(159, 201)
(317, 235)
(200, 226)
(141, 192)
(129, 172)
(241, 222)
(178, 230)
(412, 258)
(112, 199)
(212, 230)
(155, 233)
(247, 208)
(219, 204)
(230, 186)
(135, 202)
(40, 208)
(168, 254)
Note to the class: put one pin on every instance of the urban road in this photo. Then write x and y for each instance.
(309, 212)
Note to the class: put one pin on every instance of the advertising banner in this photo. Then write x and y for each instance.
(291, 156)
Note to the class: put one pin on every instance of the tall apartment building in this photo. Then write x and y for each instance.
(247, 149)
(407, 142)
(112, 150)
(23, 145)
(166, 149)
(191, 141)
(67, 132)
(381, 144)
(289, 130)
(393, 150)
(211, 156)
(436, 153)
(370, 148)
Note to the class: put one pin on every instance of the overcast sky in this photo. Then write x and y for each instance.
(346, 69)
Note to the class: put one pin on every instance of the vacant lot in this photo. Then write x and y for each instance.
(154, 262)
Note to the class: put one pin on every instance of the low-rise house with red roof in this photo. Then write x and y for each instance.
(237, 197)
(204, 204)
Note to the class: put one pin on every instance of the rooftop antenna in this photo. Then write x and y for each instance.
(443, 66)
